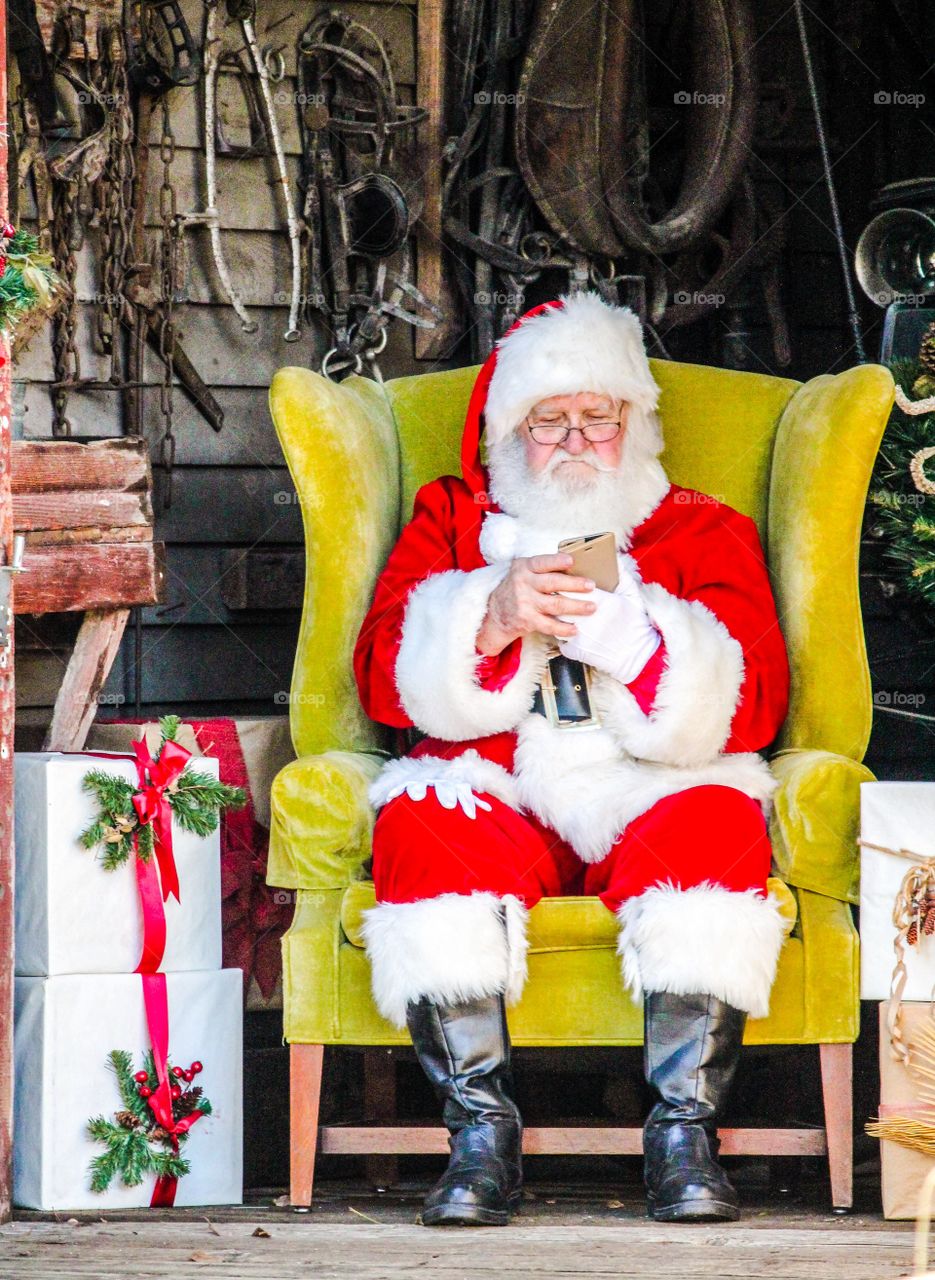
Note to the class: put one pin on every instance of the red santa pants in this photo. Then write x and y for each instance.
(707, 833)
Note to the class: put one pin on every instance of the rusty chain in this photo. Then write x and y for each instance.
(169, 281)
(114, 200)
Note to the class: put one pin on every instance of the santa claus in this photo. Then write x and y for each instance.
(579, 740)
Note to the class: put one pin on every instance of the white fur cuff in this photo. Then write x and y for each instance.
(451, 948)
(436, 669)
(698, 692)
(705, 939)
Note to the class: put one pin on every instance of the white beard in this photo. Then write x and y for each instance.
(576, 500)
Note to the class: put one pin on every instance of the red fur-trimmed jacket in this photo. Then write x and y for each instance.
(710, 699)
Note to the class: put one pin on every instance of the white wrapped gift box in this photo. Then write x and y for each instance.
(73, 916)
(65, 1029)
(896, 815)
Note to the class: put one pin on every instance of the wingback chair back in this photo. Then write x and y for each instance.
(797, 459)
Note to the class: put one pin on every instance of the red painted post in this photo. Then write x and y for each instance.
(6, 715)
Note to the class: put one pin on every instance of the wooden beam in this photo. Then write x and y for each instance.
(41, 466)
(432, 277)
(581, 1140)
(104, 508)
(7, 711)
(102, 575)
(89, 666)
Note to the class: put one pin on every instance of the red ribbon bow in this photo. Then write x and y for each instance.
(151, 805)
(156, 1000)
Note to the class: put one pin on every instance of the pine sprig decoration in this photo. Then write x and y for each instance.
(27, 279)
(136, 1143)
(196, 799)
(903, 515)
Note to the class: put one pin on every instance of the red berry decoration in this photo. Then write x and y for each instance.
(188, 1076)
(141, 1077)
(144, 1091)
(8, 231)
(196, 1067)
(176, 1091)
(179, 1072)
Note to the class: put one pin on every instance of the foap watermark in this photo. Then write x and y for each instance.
(283, 698)
(296, 98)
(684, 98)
(483, 298)
(885, 296)
(693, 498)
(897, 698)
(484, 98)
(895, 98)
(683, 298)
(285, 498)
(109, 700)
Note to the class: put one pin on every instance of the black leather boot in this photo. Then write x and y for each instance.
(691, 1047)
(464, 1050)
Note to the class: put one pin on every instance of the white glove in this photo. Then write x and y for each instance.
(449, 794)
(618, 636)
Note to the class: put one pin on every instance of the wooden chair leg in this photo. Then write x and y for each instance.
(305, 1067)
(837, 1065)
(380, 1105)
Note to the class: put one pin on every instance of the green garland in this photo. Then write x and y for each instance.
(196, 800)
(904, 516)
(136, 1142)
(27, 279)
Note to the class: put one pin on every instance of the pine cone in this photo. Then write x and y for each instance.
(188, 1102)
(927, 350)
(158, 1134)
(912, 933)
(127, 1119)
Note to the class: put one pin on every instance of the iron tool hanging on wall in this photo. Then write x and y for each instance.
(355, 149)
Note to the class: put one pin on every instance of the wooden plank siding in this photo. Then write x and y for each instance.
(231, 491)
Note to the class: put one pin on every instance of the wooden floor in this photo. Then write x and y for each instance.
(374, 1237)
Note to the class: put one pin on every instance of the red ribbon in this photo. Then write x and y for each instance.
(156, 1001)
(152, 806)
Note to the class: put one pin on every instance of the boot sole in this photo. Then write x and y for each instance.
(694, 1211)
(449, 1215)
(453, 1215)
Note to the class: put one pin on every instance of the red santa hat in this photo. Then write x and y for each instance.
(578, 342)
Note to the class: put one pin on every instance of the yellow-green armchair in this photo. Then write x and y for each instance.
(797, 458)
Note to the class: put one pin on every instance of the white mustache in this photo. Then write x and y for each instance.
(590, 459)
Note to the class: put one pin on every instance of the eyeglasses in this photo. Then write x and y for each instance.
(558, 432)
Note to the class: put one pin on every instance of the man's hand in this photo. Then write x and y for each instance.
(527, 601)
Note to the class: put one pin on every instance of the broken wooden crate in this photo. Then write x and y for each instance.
(87, 516)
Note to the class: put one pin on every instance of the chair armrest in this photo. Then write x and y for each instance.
(824, 452)
(832, 968)
(321, 820)
(814, 821)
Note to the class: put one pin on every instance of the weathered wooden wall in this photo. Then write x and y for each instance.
(232, 498)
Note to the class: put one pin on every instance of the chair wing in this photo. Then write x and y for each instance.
(825, 448)
(340, 443)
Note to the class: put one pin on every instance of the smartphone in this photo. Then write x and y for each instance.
(595, 557)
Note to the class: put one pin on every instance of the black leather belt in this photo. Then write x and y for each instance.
(563, 696)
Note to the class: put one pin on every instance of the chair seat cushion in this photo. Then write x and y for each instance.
(555, 924)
